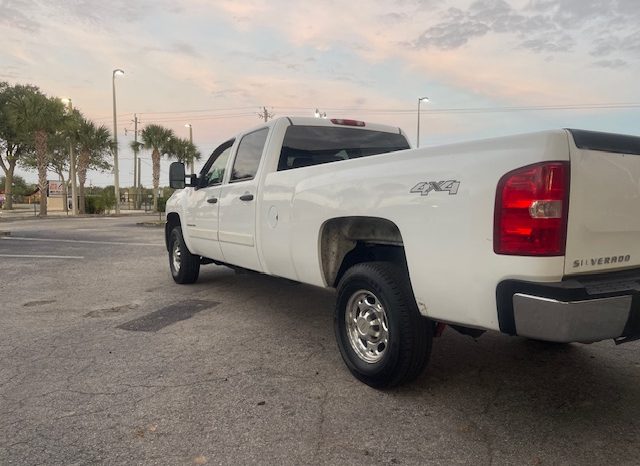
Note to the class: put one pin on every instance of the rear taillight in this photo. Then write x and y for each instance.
(532, 205)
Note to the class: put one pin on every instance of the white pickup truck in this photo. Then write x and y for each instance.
(536, 235)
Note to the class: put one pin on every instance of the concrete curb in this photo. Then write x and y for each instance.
(14, 218)
(156, 224)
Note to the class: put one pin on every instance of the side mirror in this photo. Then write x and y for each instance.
(176, 175)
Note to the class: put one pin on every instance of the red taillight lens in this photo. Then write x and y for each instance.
(532, 205)
(341, 121)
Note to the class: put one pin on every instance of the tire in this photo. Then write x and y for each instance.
(185, 267)
(382, 337)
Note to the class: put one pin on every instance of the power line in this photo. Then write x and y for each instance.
(302, 111)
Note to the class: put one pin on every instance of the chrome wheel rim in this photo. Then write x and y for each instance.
(176, 256)
(367, 328)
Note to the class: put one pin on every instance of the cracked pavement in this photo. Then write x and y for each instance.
(256, 377)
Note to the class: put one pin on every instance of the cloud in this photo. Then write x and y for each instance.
(103, 12)
(483, 17)
(564, 43)
(610, 25)
(13, 14)
(453, 33)
(613, 64)
(542, 26)
(185, 48)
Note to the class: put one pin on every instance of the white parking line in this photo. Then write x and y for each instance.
(18, 238)
(37, 256)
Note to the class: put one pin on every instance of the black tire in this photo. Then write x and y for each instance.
(409, 335)
(185, 268)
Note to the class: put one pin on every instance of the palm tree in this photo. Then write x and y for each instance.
(38, 117)
(185, 151)
(159, 140)
(94, 146)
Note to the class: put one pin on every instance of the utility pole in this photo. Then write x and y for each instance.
(265, 114)
(135, 156)
(135, 159)
(135, 151)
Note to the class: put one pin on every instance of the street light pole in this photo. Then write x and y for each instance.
(72, 167)
(190, 126)
(116, 174)
(420, 100)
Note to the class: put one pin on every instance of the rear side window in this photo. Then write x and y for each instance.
(245, 166)
(314, 145)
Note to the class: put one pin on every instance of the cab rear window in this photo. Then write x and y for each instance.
(313, 145)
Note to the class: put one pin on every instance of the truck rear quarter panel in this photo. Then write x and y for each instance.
(448, 238)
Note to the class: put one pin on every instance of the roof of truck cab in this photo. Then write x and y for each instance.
(329, 122)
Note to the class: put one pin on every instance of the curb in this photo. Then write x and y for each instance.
(156, 224)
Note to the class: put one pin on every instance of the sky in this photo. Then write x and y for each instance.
(489, 67)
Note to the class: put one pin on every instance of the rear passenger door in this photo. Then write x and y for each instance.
(237, 233)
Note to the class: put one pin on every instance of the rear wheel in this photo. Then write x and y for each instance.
(382, 337)
(185, 267)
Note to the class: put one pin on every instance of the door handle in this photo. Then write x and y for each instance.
(246, 197)
(212, 200)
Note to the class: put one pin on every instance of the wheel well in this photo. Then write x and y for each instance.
(347, 241)
(173, 220)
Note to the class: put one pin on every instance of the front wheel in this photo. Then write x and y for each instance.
(382, 337)
(185, 267)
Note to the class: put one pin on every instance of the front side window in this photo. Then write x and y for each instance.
(315, 145)
(217, 164)
(247, 160)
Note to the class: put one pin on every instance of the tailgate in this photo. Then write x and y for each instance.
(604, 203)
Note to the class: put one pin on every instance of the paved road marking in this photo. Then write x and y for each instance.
(38, 256)
(19, 238)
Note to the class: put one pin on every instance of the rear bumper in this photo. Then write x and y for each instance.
(582, 309)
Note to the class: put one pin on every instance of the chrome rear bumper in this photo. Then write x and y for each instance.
(581, 309)
(583, 321)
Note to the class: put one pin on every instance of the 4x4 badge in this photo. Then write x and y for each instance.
(425, 187)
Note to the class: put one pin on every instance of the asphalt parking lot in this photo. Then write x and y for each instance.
(103, 359)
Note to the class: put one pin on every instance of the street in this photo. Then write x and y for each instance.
(104, 359)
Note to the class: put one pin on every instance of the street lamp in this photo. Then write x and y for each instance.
(420, 100)
(72, 166)
(116, 180)
(188, 125)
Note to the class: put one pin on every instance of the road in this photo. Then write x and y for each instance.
(103, 359)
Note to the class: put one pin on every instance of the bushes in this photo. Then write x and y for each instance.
(162, 204)
(100, 203)
(93, 205)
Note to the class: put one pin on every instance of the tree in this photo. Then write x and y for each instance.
(59, 160)
(94, 147)
(19, 186)
(185, 151)
(37, 117)
(12, 146)
(159, 140)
